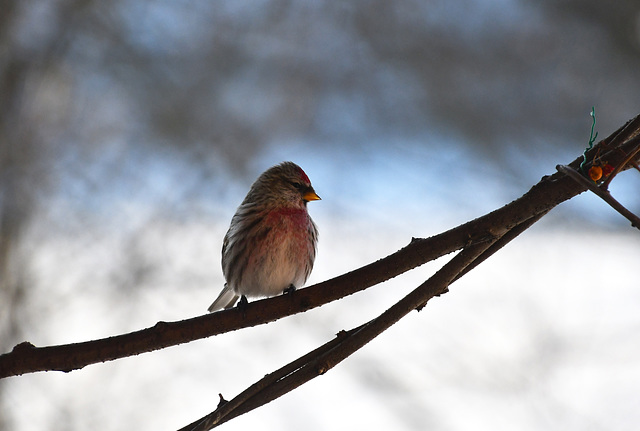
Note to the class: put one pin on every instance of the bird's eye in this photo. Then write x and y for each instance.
(300, 187)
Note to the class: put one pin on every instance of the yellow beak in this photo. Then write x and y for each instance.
(310, 195)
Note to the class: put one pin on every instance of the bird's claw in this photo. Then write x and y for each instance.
(289, 290)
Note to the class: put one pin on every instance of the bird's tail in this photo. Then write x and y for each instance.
(226, 299)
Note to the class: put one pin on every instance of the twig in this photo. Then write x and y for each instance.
(604, 194)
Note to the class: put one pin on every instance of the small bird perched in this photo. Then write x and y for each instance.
(270, 246)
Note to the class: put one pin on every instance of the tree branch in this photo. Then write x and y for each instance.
(321, 360)
(540, 199)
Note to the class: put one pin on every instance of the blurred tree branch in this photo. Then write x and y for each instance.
(484, 235)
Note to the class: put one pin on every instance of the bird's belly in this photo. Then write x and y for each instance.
(279, 261)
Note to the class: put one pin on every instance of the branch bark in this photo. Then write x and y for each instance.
(541, 198)
(321, 360)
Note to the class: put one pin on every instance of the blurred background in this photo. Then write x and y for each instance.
(130, 130)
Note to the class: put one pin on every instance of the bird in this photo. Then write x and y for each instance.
(271, 243)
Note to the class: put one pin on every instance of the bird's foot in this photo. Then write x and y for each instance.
(289, 290)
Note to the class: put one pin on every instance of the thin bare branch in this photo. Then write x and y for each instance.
(540, 199)
(326, 357)
(603, 194)
(330, 354)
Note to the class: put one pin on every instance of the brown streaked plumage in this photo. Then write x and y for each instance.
(271, 243)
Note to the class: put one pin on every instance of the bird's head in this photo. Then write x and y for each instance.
(284, 184)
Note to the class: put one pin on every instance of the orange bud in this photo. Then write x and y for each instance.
(595, 173)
